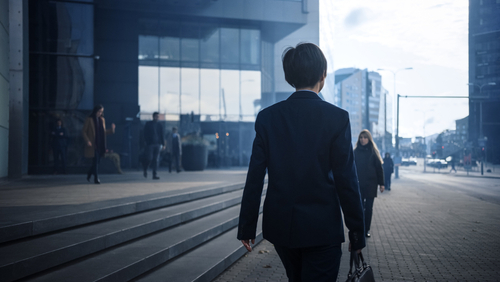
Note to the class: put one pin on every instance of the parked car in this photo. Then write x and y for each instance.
(437, 163)
(412, 161)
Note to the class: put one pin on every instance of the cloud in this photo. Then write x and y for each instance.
(357, 17)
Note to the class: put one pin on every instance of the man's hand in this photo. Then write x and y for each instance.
(113, 126)
(89, 143)
(382, 188)
(246, 243)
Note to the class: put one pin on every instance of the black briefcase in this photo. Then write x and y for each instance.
(362, 271)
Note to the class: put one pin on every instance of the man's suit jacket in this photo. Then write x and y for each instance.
(305, 145)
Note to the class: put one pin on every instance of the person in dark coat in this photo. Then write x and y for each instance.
(94, 133)
(304, 145)
(59, 137)
(155, 143)
(388, 170)
(176, 151)
(370, 173)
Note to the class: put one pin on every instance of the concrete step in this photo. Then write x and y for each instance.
(129, 260)
(204, 263)
(26, 257)
(25, 222)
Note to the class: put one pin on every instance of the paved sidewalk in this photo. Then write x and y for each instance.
(420, 232)
(72, 189)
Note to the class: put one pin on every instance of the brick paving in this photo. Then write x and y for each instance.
(421, 231)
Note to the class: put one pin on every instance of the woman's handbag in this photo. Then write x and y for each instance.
(362, 271)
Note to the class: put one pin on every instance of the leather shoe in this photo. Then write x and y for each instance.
(88, 177)
(368, 235)
(156, 177)
(145, 174)
(97, 181)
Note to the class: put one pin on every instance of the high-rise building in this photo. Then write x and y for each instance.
(484, 76)
(360, 92)
(206, 65)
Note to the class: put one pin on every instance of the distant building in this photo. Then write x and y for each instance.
(462, 129)
(484, 70)
(360, 92)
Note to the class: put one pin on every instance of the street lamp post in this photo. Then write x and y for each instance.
(396, 172)
(481, 113)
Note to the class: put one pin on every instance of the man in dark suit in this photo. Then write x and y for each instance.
(304, 143)
(155, 142)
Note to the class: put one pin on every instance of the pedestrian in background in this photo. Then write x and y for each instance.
(155, 142)
(94, 133)
(59, 137)
(370, 173)
(176, 150)
(388, 170)
(304, 144)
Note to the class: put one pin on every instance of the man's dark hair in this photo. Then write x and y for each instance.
(304, 65)
(155, 113)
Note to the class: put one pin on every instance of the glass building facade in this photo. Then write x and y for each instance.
(206, 66)
(206, 69)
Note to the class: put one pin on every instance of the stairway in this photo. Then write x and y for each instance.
(182, 236)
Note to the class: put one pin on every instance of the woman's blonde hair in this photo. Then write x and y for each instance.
(366, 133)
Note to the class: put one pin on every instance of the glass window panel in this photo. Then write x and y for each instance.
(231, 94)
(209, 44)
(209, 79)
(250, 94)
(169, 90)
(230, 45)
(148, 90)
(169, 48)
(250, 46)
(190, 45)
(190, 49)
(190, 97)
(69, 29)
(148, 47)
(62, 82)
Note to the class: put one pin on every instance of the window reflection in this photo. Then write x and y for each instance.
(209, 82)
(206, 69)
(229, 50)
(148, 89)
(190, 96)
(169, 90)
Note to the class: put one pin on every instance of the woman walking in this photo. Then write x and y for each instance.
(370, 173)
(94, 132)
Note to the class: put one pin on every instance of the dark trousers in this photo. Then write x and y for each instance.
(315, 264)
(368, 207)
(177, 157)
(59, 152)
(95, 165)
(387, 179)
(152, 156)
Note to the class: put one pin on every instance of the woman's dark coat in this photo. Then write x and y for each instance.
(370, 171)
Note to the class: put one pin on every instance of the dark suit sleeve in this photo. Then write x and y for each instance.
(250, 203)
(380, 171)
(346, 183)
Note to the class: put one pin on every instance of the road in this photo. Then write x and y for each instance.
(483, 188)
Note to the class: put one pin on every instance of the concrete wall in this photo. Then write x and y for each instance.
(4, 87)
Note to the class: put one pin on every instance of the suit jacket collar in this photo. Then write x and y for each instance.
(304, 94)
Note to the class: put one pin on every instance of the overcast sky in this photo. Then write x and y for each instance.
(429, 35)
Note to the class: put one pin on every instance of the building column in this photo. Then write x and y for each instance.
(19, 91)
